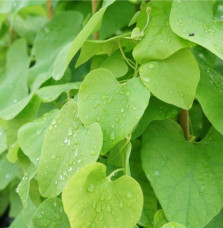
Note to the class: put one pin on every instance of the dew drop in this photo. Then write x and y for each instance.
(129, 195)
(91, 188)
(145, 79)
(108, 208)
(157, 173)
(70, 132)
(151, 66)
(135, 108)
(98, 208)
(38, 132)
(112, 136)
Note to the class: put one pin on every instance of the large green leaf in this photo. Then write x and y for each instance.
(101, 95)
(194, 20)
(13, 90)
(186, 176)
(70, 50)
(67, 147)
(31, 135)
(173, 80)
(211, 102)
(50, 214)
(50, 40)
(92, 200)
(159, 42)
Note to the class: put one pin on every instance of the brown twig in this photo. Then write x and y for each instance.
(94, 9)
(184, 122)
(49, 9)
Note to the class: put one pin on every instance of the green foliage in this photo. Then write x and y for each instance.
(111, 113)
(101, 201)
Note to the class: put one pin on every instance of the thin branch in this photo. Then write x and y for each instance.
(125, 58)
(184, 122)
(49, 9)
(94, 9)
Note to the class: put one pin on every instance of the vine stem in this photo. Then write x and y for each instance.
(184, 122)
(94, 9)
(49, 9)
(114, 173)
(125, 58)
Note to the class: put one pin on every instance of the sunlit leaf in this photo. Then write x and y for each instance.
(91, 199)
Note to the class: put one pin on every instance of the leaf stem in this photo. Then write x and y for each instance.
(184, 122)
(49, 9)
(114, 173)
(94, 9)
(123, 55)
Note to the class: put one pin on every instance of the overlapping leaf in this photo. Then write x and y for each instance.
(173, 80)
(117, 107)
(159, 42)
(211, 102)
(194, 21)
(67, 147)
(92, 200)
(186, 176)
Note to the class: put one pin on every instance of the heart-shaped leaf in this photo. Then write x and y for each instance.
(194, 21)
(159, 42)
(92, 200)
(65, 150)
(173, 80)
(123, 105)
(211, 102)
(186, 176)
